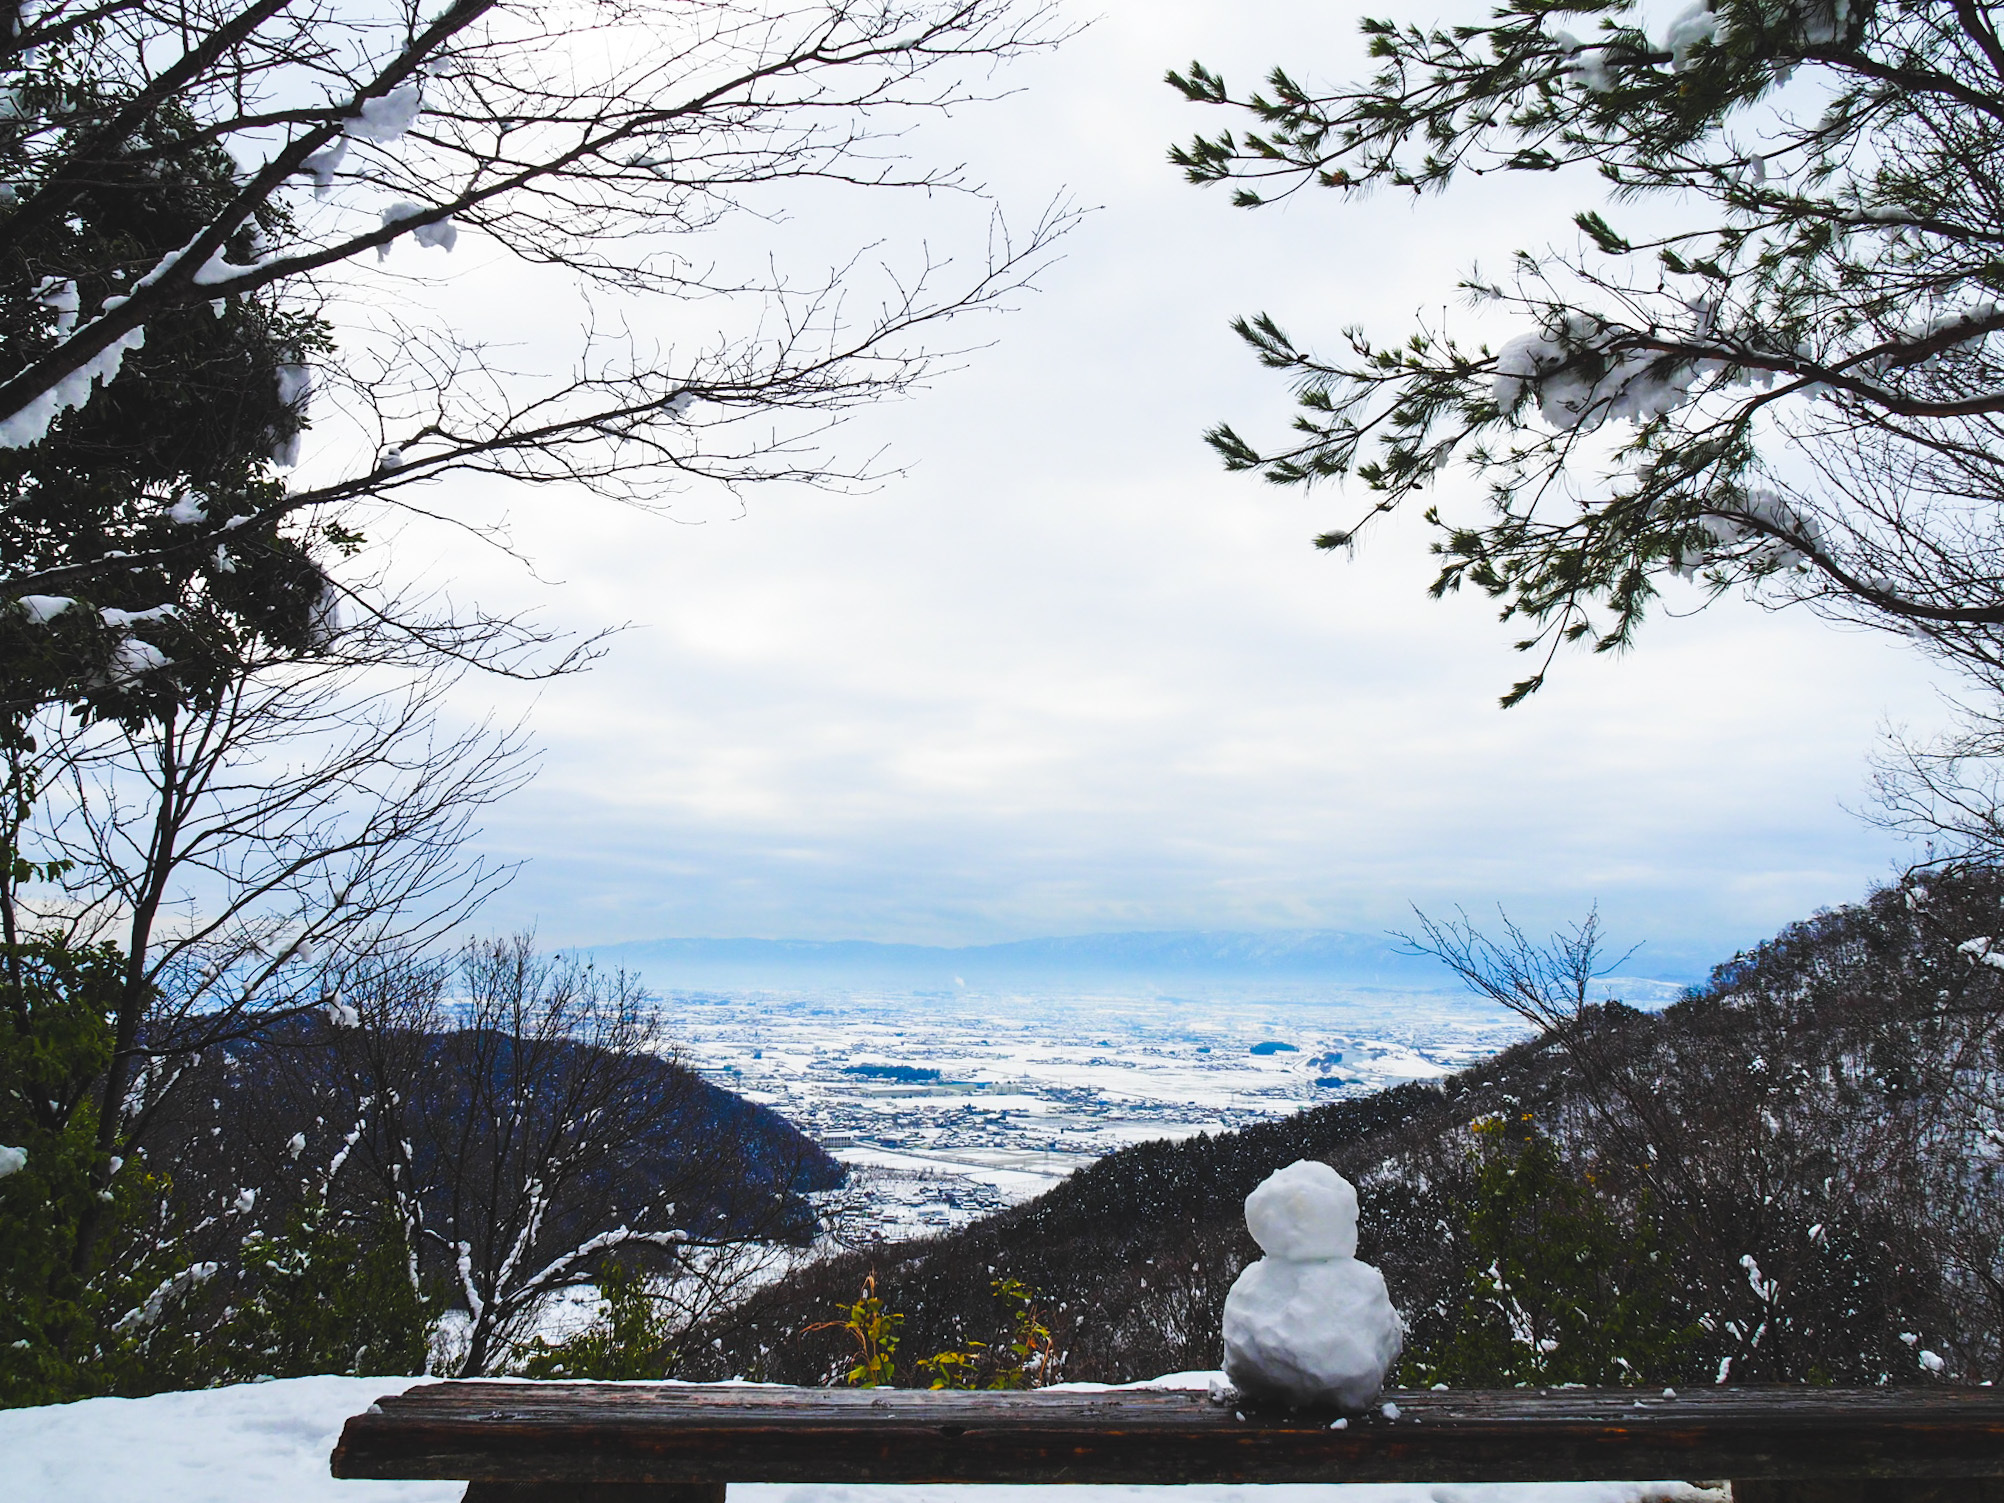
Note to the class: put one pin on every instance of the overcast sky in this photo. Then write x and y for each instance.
(1065, 675)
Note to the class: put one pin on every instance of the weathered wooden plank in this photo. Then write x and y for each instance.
(1871, 1490)
(645, 1433)
(623, 1492)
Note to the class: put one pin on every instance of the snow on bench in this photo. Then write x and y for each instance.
(674, 1443)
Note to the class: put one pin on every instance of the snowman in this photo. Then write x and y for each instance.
(1308, 1324)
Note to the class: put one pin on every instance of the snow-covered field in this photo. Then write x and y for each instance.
(269, 1443)
(1001, 1096)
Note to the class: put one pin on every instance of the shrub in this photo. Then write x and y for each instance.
(629, 1338)
(330, 1293)
(1560, 1286)
(874, 1330)
(1025, 1357)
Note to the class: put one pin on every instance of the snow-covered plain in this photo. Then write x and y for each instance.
(1032, 1087)
(264, 1442)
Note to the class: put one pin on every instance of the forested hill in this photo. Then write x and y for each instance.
(1788, 1175)
(727, 1164)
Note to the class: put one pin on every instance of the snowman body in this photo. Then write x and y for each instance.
(1308, 1324)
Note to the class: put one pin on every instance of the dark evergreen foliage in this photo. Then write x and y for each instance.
(55, 1040)
(1560, 1286)
(192, 421)
(630, 1338)
(328, 1292)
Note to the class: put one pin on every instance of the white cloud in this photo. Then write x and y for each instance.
(1068, 675)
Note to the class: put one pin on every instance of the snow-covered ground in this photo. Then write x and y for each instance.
(1013, 1092)
(267, 1442)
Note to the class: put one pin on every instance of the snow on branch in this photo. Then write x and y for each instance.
(562, 1267)
(1784, 382)
(588, 151)
(145, 1316)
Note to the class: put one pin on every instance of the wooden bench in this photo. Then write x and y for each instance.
(648, 1443)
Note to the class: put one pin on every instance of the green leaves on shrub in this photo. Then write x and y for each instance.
(1560, 1286)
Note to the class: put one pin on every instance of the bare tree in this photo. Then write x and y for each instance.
(254, 804)
(1830, 1095)
(595, 140)
(246, 852)
(522, 1116)
(1546, 985)
(1550, 986)
(1948, 790)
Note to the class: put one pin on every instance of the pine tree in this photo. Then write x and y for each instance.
(1795, 390)
(182, 443)
(1563, 1284)
(186, 436)
(74, 1319)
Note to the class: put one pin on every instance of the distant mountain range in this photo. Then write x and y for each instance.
(1162, 959)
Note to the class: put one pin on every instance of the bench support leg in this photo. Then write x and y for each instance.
(600, 1492)
(1875, 1490)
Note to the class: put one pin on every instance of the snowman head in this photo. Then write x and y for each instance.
(1304, 1213)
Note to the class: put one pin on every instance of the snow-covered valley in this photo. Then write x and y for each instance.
(949, 1105)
